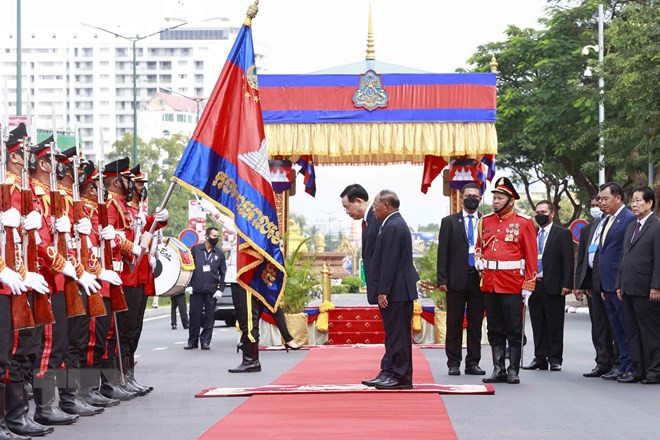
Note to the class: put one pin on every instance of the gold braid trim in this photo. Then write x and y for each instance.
(529, 285)
(57, 262)
(77, 265)
(2, 265)
(94, 265)
(126, 247)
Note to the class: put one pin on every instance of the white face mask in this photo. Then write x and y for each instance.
(595, 212)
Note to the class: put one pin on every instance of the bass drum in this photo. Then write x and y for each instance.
(174, 267)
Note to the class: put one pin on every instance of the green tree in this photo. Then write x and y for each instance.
(431, 227)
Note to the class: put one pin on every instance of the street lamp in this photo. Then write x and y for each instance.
(134, 40)
(197, 99)
(601, 93)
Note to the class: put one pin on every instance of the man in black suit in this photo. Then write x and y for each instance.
(638, 285)
(554, 280)
(393, 286)
(355, 200)
(458, 277)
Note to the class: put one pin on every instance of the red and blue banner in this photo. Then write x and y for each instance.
(412, 97)
(307, 169)
(226, 160)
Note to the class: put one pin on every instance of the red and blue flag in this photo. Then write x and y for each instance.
(226, 160)
(307, 169)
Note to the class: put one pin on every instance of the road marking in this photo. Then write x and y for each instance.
(159, 348)
(137, 356)
(156, 317)
(180, 343)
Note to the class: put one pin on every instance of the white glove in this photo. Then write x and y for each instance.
(13, 280)
(217, 294)
(63, 224)
(162, 216)
(84, 226)
(141, 218)
(36, 282)
(208, 207)
(10, 218)
(152, 263)
(32, 221)
(526, 294)
(88, 282)
(69, 271)
(479, 264)
(110, 276)
(108, 233)
(137, 250)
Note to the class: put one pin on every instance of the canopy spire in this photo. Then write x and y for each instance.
(371, 51)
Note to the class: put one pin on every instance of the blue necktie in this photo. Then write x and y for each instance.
(470, 240)
(541, 244)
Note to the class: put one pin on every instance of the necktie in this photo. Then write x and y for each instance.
(364, 225)
(637, 228)
(606, 228)
(470, 240)
(541, 244)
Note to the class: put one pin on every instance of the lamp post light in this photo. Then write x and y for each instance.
(134, 40)
(197, 99)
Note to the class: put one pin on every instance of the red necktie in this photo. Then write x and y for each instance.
(364, 225)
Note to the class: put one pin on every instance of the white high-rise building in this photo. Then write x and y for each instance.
(84, 76)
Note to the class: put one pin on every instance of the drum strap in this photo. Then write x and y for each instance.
(248, 297)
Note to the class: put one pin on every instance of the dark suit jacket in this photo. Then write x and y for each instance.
(639, 270)
(610, 252)
(391, 270)
(582, 268)
(558, 260)
(453, 251)
(369, 241)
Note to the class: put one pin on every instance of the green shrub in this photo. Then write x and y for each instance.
(353, 284)
(338, 289)
(301, 281)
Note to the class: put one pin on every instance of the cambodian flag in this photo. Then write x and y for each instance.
(307, 169)
(226, 160)
(486, 169)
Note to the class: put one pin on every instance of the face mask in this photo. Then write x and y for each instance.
(471, 203)
(595, 212)
(143, 193)
(213, 241)
(542, 219)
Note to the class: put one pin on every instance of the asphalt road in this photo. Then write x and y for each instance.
(546, 405)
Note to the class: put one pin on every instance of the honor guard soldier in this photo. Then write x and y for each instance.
(506, 255)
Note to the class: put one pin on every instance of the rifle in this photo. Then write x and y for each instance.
(43, 311)
(117, 298)
(74, 302)
(21, 314)
(95, 305)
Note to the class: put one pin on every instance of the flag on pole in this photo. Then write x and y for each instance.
(307, 169)
(486, 170)
(433, 166)
(226, 161)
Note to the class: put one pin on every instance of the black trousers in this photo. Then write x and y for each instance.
(642, 319)
(240, 299)
(6, 336)
(96, 339)
(397, 318)
(607, 351)
(546, 313)
(27, 343)
(128, 322)
(78, 335)
(504, 313)
(142, 306)
(471, 298)
(55, 339)
(199, 301)
(179, 301)
(280, 321)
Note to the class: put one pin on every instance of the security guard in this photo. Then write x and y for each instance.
(507, 256)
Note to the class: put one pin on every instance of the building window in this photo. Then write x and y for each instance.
(199, 65)
(121, 52)
(165, 65)
(180, 118)
(168, 117)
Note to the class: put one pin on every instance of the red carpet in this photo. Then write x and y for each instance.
(339, 416)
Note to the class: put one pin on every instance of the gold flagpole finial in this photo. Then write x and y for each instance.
(251, 13)
(371, 51)
(493, 64)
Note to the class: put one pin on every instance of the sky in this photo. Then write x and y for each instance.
(302, 36)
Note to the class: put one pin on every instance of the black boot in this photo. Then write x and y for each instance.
(28, 389)
(514, 365)
(134, 381)
(5, 433)
(46, 412)
(89, 383)
(70, 400)
(499, 373)
(250, 362)
(110, 386)
(17, 418)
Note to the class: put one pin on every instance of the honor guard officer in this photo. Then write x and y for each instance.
(507, 256)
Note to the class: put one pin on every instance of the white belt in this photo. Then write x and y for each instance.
(118, 266)
(504, 265)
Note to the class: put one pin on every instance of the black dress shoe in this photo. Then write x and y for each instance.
(475, 370)
(537, 364)
(612, 375)
(206, 347)
(374, 381)
(391, 383)
(454, 371)
(555, 367)
(650, 381)
(512, 377)
(628, 377)
(173, 326)
(596, 372)
(190, 347)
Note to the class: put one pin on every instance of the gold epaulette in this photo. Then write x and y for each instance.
(125, 225)
(525, 216)
(487, 215)
(39, 190)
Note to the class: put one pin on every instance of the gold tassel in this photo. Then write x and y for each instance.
(417, 317)
(248, 296)
(323, 320)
